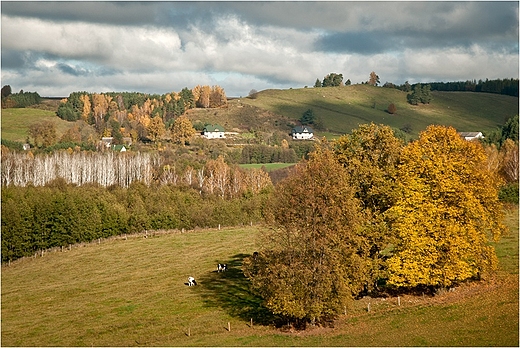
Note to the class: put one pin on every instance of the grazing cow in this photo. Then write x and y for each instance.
(221, 267)
(191, 281)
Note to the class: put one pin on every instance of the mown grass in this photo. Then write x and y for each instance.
(16, 122)
(132, 292)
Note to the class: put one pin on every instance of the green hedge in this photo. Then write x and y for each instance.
(39, 218)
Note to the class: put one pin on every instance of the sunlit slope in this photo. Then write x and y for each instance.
(344, 108)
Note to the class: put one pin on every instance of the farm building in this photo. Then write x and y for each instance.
(302, 132)
(471, 135)
(213, 131)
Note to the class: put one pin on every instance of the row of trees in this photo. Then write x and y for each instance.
(107, 169)
(59, 214)
(367, 209)
(499, 86)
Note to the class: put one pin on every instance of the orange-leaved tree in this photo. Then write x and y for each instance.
(313, 259)
(446, 213)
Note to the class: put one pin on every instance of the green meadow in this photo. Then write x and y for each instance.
(133, 292)
(269, 167)
(16, 122)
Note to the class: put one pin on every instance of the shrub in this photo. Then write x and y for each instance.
(509, 193)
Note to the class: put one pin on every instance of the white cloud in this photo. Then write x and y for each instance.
(59, 48)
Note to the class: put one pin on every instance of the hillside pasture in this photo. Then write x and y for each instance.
(16, 122)
(133, 292)
(345, 108)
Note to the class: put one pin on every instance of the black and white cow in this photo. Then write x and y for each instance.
(191, 281)
(221, 267)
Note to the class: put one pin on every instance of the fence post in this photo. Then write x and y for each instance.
(228, 326)
(251, 322)
(189, 333)
(219, 227)
(398, 301)
(368, 308)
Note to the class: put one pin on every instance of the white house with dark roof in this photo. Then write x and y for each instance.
(302, 132)
(471, 135)
(213, 131)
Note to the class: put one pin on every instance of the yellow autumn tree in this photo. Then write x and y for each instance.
(155, 128)
(182, 130)
(86, 107)
(446, 213)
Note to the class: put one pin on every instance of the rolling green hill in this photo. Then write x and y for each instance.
(344, 108)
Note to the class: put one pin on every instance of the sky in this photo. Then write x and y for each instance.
(55, 48)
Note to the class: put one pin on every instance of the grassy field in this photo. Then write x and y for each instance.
(132, 293)
(16, 122)
(344, 108)
(268, 166)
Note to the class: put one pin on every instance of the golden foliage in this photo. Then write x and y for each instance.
(182, 130)
(156, 128)
(86, 107)
(447, 208)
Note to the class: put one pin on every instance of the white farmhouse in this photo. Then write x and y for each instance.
(213, 131)
(471, 135)
(302, 132)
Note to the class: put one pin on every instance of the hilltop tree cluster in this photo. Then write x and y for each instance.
(367, 209)
(331, 80)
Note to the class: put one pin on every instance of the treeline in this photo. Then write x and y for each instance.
(136, 115)
(59, 214)
(18, 100)
(498, 86)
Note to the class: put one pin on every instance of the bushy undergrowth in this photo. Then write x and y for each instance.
(509, 193)
(39, 218)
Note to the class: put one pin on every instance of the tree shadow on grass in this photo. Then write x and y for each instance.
(230, 291)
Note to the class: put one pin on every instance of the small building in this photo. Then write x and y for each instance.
(118, 148)
(471, 135)
(107, 141)
(302, 132)
(213, 131)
